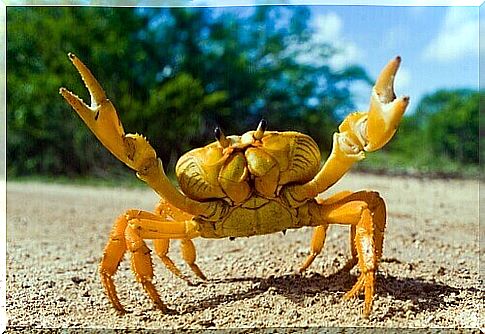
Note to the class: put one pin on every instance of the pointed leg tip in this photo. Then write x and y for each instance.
(121, 311)
(301, 270)
(349, 295)
(169, 311)
(71, 56)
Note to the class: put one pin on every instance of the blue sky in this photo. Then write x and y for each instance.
(438, 45)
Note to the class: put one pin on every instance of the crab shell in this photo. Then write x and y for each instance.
(248, 165)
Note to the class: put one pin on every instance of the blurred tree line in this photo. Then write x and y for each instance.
(176, 73)
(173, 75)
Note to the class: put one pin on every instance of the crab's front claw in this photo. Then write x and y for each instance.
(103, 121)
(385, 111)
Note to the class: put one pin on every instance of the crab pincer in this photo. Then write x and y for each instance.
(102, 119)
(386, 110)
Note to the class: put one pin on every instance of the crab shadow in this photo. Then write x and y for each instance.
(425, 295)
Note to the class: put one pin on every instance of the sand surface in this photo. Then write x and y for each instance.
(429, 275)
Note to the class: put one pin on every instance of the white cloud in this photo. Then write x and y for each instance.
(328, 29)
(402, 81)
(457, 38)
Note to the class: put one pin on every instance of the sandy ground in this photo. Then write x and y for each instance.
(429, 275)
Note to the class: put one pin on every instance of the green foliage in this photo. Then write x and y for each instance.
(42, 134)
(181, 104)
(176, 73)
(173, 75)
(453, 132)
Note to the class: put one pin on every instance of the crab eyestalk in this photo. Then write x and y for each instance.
(221, 138)
(258, 135)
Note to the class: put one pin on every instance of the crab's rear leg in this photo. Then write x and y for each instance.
(144, 225)
(367, 212)
(188, 254)
(316, 246)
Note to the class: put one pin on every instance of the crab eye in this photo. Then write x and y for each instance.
(218, 133)
(221, 138)
(260, 130)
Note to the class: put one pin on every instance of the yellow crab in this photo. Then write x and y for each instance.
(239, 186)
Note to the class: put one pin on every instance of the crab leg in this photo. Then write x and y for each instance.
(117, 246)
(316, 246)
(161, 247)
(112, 256)
(141, 264)
(319, 234)
(145, 225)
(132, 149)
(169, 212)
(367, 212)
(360, 132)
(353, 251)
(129, 233)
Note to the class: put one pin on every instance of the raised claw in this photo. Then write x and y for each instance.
(385, 111)
(101, 118)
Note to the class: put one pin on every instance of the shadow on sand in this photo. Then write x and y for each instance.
(425, 295)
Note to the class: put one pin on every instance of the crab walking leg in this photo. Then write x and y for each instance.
(170, 212)
(146, 225)
(189, 255)
(141, 264)
(367, 254)
(316, 246)
(132, 149)
(360, 132)
(161, 248)
(152, 226)
(353, 251)
(112, 256)
(367, 212)
(318, 238)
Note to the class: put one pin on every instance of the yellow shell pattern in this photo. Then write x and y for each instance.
(248, 166)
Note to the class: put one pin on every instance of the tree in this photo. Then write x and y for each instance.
(453, 131)
(42, 134)
(173, 75)
(443, 128)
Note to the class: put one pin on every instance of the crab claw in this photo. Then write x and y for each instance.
(103, 121)
(385, 111)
